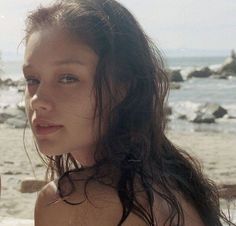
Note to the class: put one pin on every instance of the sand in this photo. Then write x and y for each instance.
(216, 152)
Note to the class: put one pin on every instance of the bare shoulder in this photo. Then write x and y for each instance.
(190, 213)
(100, 207)
(191, 216)
(45, 211)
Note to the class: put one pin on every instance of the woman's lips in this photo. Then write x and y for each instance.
(40, 130)
(44, 126)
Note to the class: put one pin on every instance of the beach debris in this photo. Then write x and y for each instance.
(32, 185)
(8, 173)
(9, 162)
(12, 173)
(227, 191)
(175, 76)
(39, 165)
(200, 73)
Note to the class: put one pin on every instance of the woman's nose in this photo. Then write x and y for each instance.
(41, 101)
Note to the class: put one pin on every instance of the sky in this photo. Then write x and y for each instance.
(178, 27)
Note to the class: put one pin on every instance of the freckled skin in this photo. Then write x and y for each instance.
(51, 96)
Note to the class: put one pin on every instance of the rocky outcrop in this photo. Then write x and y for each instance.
(31, 185)
(229, 66)
(168, 110)
(201, 73)
(206, 113)
(21, 106)
(219, 76)
(9, 82)
(213, 109)
(200, 117)
(175, 76)
(13, 117)
(174, 85)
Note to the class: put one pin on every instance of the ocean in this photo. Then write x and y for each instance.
(193, 92)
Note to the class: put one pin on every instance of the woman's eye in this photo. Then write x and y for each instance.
(31, 81)
(68, 79)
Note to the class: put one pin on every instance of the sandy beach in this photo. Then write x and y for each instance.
(216, 152)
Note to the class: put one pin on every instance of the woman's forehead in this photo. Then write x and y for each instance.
(56, 45)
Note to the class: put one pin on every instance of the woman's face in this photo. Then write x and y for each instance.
(59, 93)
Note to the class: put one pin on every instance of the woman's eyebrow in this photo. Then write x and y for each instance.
(56, 63)
(68, 61)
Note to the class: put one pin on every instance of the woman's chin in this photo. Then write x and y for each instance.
(50, 151)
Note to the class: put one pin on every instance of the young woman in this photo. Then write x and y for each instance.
(95, 99)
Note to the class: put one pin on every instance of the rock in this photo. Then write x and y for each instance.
(12, 173)
(202, 73)
(213, 109)
(39, 165)
(32, 185)
(231, 117)
(4, 116)
(222, 76)
(14, 117)
(174, 85)
(21, 89)
(168, 110)
(12, 112)
(8, 173)
(182, 116)
(21, 106)
(8, 82)
(229, 74)
(229, 66)
(200, 117)
(227, 191)
(175, 76)
(16, 123)
(207, 113)
(233, 54)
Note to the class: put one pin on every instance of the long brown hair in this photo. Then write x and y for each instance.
(131, 74)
